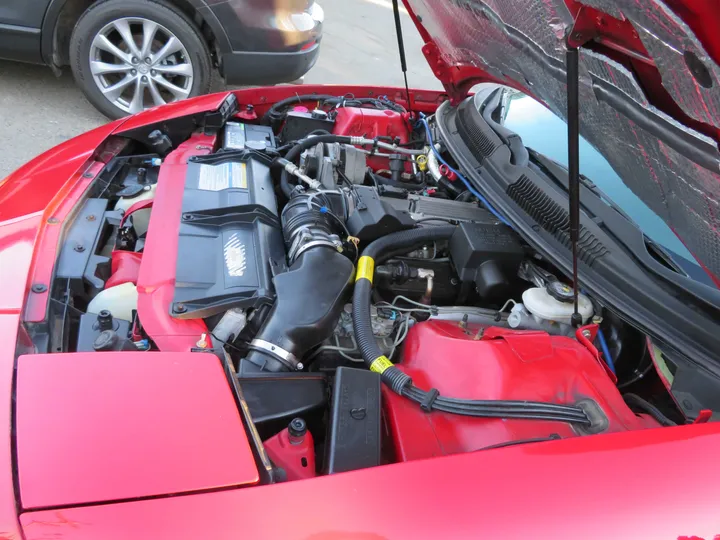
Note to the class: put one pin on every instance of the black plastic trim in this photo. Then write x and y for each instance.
(262, 68)
(616, 281)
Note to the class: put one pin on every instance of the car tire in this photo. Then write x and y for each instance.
(104, 37)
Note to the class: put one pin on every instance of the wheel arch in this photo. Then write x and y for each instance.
(62, 15)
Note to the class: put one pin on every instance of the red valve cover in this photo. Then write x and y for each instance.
(500, 365)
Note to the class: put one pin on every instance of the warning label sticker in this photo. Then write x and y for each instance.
(224, 176)
(235, 135)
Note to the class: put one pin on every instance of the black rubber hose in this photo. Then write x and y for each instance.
(633, 400)
(277, 111)
(452, 188)
(299, 148)
(363, 287)
(400, 382)
(383, 180)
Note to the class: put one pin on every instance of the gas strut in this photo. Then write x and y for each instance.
(401, 49)
(573, 124)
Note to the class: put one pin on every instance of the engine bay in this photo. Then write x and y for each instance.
(368, 305)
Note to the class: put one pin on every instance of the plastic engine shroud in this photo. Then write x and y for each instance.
(510, 365)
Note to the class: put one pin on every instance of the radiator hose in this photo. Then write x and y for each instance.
(403, 241)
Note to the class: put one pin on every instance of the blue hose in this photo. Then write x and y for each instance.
(605, 350)
(469, 186)
(471, 189)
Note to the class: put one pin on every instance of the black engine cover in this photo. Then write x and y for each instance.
(230, 243)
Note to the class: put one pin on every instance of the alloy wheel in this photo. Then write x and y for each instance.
(138, 63)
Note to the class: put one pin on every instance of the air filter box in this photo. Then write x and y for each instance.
(231, 243)
(488, 254)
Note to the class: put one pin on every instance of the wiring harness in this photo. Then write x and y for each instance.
(399, 381)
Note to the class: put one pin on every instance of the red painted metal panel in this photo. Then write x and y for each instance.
(16, 252)
(509, 365)
(9, 322)
(31, 188)
(638, 484)
(98, 427)
(296, 456)
(370, 123)
(156, 281)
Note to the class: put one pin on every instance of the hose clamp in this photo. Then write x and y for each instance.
(286, 357)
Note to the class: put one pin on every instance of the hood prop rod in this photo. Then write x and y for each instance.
(573, 124)
(401, 50)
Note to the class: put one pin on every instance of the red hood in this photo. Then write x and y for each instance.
(649, 87)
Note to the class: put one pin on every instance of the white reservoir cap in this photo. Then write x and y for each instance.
(542, 305)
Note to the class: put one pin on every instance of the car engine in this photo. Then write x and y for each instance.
(368, 306)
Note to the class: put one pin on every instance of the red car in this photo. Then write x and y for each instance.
(372, 313)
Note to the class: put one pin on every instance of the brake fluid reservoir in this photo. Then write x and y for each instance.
(119, 300)
(543, 306)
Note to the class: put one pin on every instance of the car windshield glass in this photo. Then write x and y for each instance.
(546, 133)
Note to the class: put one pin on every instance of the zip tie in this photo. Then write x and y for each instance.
(427, 402)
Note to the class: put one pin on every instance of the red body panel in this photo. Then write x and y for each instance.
(16, 253)
(529, 366)
(156, 282)
(94, 428)
(31, 188)
(36, 200)
(26, 196)
(654, 484)
(296, 458)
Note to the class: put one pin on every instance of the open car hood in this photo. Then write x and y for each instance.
(649, 87)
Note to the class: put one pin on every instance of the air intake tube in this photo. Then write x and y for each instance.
(312, 293)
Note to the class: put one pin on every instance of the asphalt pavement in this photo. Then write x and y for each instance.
(39, 110)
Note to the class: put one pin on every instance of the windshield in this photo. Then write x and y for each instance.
(546, 133)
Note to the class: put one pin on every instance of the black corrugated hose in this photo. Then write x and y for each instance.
(375, 253)
(277, 112)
